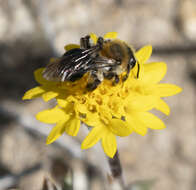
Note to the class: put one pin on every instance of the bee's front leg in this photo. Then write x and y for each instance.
(85, 42)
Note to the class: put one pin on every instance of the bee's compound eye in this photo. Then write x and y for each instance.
(132, 62)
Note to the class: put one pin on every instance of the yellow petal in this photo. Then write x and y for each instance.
(154, 72)
(82, 108)
(136, 125)
(69, 108)
(150, 120)
(164, 90)
(72, 126)
(51, 116)
(92, 119)
(49, 95)
(38, 76)
(162, 106)
(33, 93)
(56, 132)
(93, 137)
(71, 46)
(110, 35)
(62, 103)
(120, 128)
(93, 37)
(144, 54)
(109, 144)
(140, 103)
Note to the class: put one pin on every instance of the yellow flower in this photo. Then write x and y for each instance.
(108, 110)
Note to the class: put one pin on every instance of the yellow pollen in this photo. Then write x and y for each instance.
(103, 91)
(92, 108)
(82, 100)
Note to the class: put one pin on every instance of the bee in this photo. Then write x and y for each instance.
(107, 59)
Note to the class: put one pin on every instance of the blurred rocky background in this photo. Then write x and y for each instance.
(33, 31)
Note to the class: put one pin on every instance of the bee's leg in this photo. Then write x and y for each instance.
(116, 79)
(127, 73)
(93, 85)
(109, 75)
(93, 82)
(85, 42)
(113, 76)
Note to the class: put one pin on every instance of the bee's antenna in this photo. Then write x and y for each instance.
(138, 69)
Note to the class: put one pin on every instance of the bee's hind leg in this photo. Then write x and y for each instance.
(92, 86)
(93, 82)
(85, 42)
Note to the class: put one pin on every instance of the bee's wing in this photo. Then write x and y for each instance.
(104, 62)
(72, 65)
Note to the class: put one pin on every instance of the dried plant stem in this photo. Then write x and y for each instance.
(116, 170)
